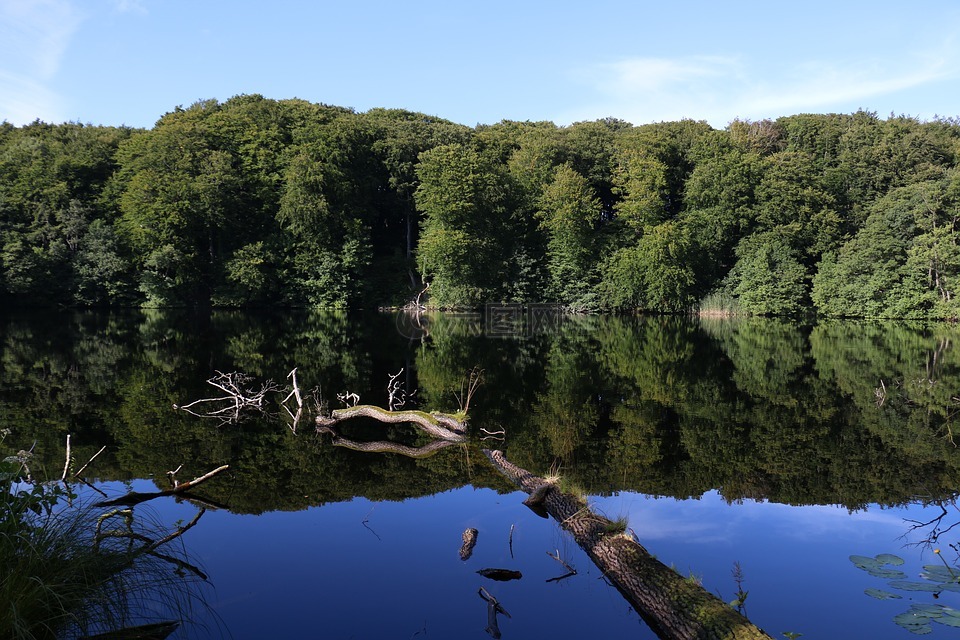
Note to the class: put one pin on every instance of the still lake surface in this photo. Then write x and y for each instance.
(780, 448)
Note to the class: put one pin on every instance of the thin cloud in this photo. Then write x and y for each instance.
(23, 100)
(34, 36)
(719, 89)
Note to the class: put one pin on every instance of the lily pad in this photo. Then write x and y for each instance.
(907, 585)
(876, 566)
(916, 623)
(939, 573)
(880, 594)
(889, 558)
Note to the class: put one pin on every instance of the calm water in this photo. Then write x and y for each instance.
(783, 449)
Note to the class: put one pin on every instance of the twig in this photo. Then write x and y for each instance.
(66, 464)
(102, 449)
(366, 526)
(510, 540)
(176, 534)
(556, 557)
(563, 577)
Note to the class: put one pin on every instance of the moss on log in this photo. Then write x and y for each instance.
(444, 426)
(676, 608)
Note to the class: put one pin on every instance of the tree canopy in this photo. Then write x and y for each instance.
(260, 202)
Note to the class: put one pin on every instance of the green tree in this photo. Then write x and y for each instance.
(568, 212)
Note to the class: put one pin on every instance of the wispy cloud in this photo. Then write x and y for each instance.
(721, 88)
(34, 35)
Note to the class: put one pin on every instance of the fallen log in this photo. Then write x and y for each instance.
(674, 607)
(444, 426)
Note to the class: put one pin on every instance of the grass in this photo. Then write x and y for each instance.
(58, 581)
(719, 304)
(615, 527)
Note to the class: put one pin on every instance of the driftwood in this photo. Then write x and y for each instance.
(469, 542)
(493, 608)
(385, 446)
(136, 497)
(439, 425)
(675, 608)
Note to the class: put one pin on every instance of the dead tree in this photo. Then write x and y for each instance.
(438, 425)
(239, 396)
(674, 607)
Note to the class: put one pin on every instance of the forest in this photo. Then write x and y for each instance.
(255, 202)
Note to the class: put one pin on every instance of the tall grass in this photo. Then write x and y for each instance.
(720, 304)
(57, 580)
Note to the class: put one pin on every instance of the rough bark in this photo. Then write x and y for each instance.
(439, 425)
(675, 608)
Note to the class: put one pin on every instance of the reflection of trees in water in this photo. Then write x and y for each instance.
(667, 405)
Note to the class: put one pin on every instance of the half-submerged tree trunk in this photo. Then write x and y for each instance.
(444, 426)
(675, 608)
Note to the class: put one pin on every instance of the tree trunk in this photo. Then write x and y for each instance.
(438, 425)
(676, 608)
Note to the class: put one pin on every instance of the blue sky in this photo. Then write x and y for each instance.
(128, 62)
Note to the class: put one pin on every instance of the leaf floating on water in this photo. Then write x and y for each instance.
(949, 620)
(500, 574)
(876, 566)
(880, 594)
(938, 573)
(914, 623)
(889, 558)
(906, 585)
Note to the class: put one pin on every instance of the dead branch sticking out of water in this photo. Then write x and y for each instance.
(136, 497)
(493, 608)
(240, 396)
(674, 607)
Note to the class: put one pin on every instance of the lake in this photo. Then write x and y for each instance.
(747, 449)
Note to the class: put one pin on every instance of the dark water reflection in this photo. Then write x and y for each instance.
(773, 429)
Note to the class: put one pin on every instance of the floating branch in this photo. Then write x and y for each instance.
(493, 608)
(136, 497)
(674, 607)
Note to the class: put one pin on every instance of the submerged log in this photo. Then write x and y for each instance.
(469, 542)
(501, 575)
(444, 426)
(675, 608)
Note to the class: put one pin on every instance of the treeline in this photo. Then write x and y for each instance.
(257, 202)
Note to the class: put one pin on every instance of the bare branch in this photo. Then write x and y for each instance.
(92, 458)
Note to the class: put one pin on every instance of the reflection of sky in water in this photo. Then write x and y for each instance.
(391, 570)
(795, 560)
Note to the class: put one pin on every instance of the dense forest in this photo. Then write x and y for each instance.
(259, 202)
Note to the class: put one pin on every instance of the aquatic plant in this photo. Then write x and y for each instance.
(937, 579)
(58, 581)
